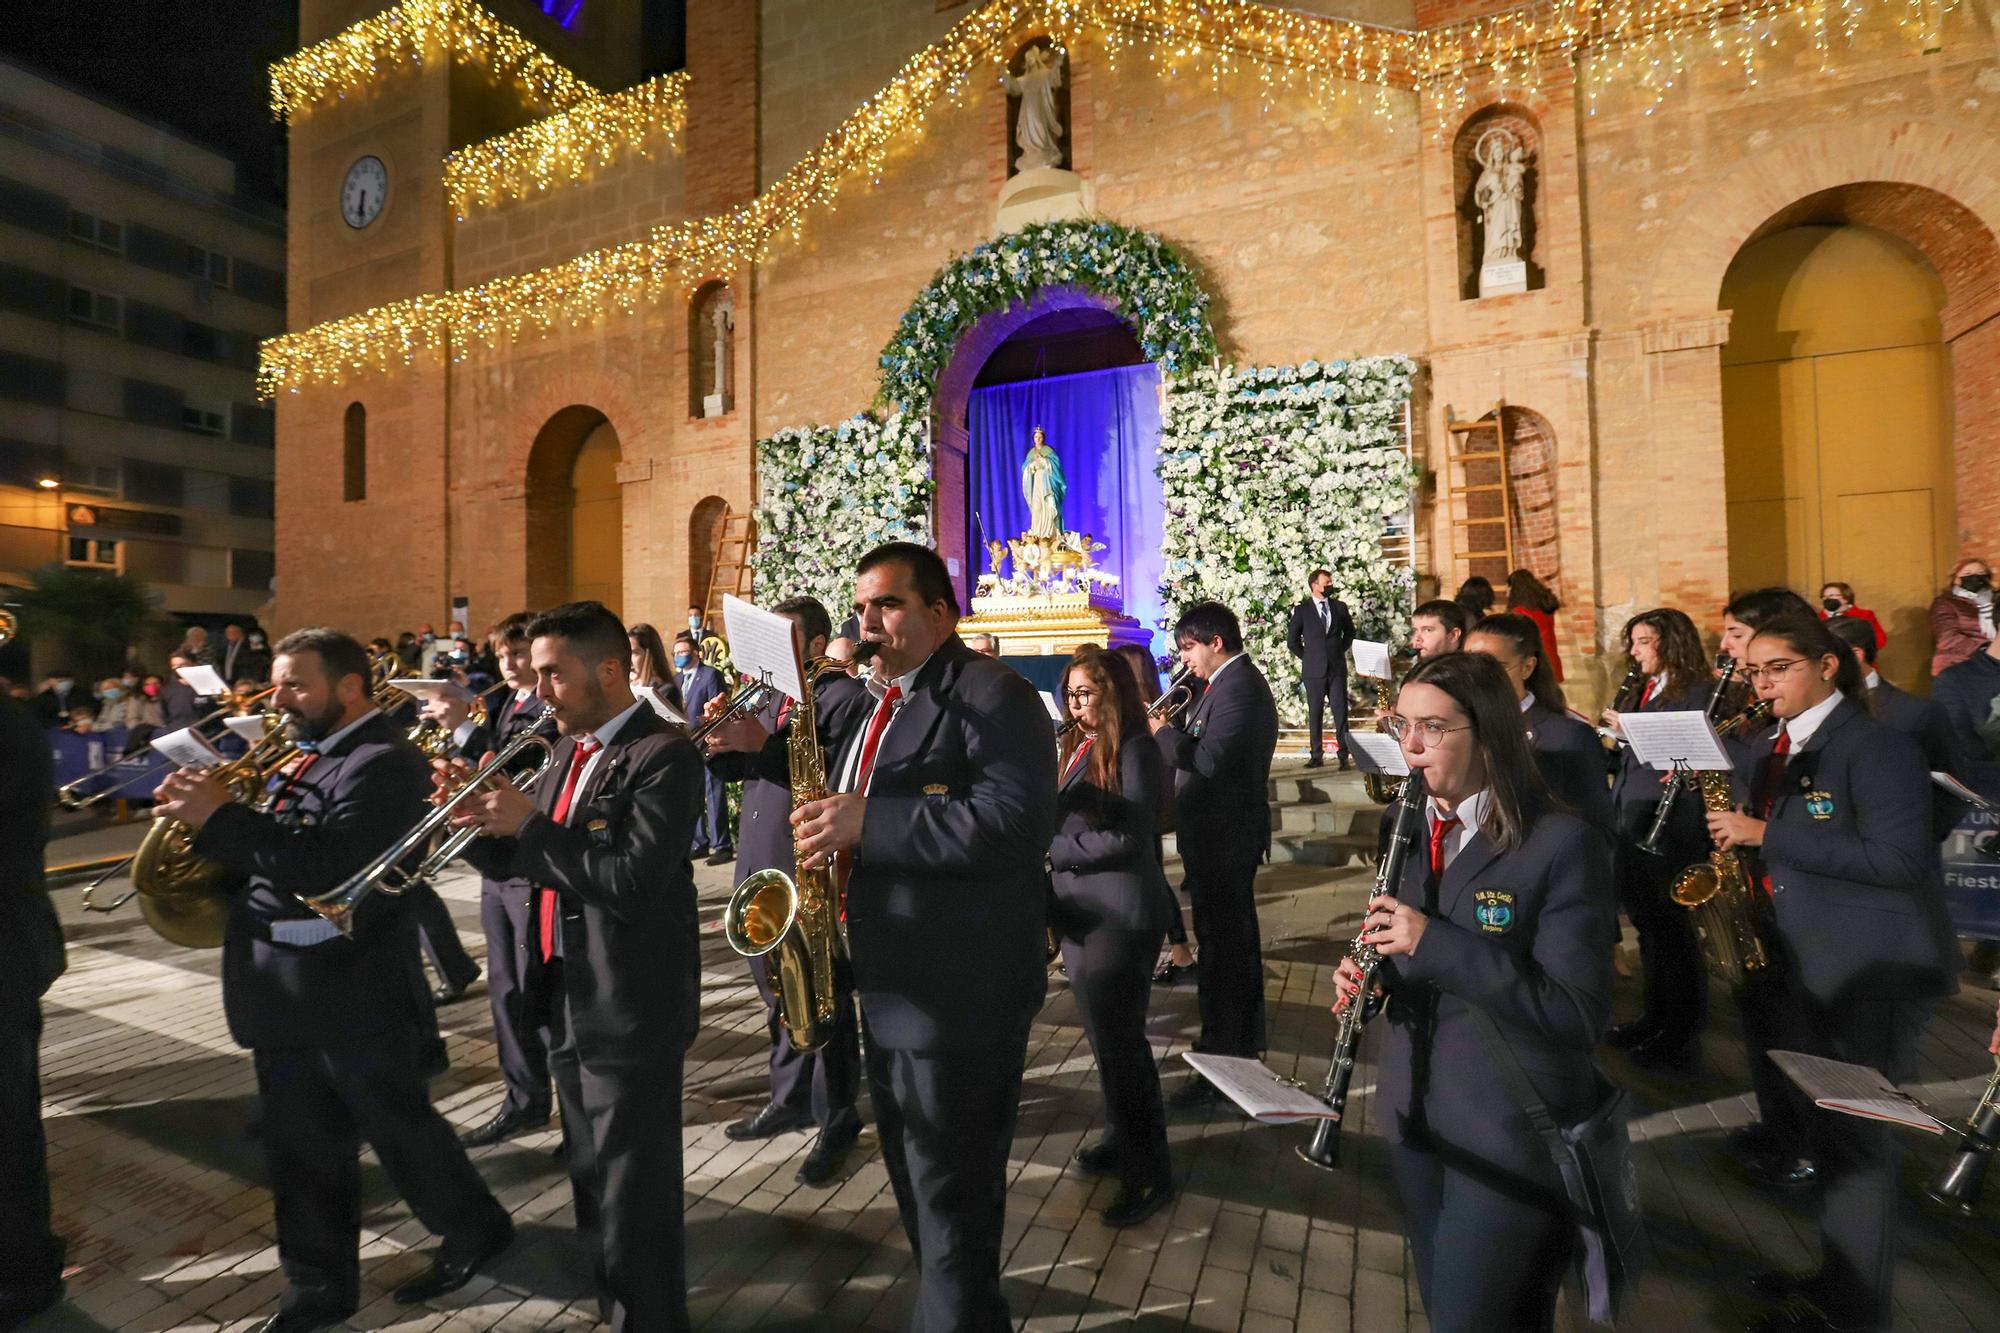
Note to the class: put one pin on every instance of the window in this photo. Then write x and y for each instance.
(155, 483)
(252, 569)
(204, 420)
(354, 454)
(208, 264)
(91, 479)
(251, 497)
(99, 310)
(94, 554)
(96, 231)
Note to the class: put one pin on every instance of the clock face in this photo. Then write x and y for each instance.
(363, 192)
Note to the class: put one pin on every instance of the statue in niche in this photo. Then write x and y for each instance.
(1042, 487)
(722, 319)
(1038, 128)
(1500, 195)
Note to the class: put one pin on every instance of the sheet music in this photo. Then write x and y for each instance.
(188, 748)
(423, 687)
(657, 699)
(763, 645)
(1964, 793)
(1371, 659)
(1684, 736)
(1055, 709)
(304, 932)
(250, 728)
(1379, 752)
(1855, 1090)
(207, 682)
(1261, 1094)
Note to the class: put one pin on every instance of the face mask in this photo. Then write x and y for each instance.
(683, 659)
(111, 693)
(1976, 582)
(65, 683)
(1832, 605)
(152, 691)
(694, 622)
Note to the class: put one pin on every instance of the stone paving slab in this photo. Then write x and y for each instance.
(159, 1190)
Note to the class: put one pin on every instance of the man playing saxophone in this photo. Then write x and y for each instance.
(814, 1088)
(334, 1021)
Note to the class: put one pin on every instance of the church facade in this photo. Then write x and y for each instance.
(1728, 289)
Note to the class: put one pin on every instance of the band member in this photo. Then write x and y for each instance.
(808, 1088)
(1179, 962)
(1746, 613)
(1836, 807)
(1221, 759)
(652, 668)
(435, 929)
(1436, 627)
(31, 1255)
(1319, 635)
(506, 910)
(1922, 720)
(944, 812)
(699, 682)
(1966, 693)
(1110, 907)
(334, 1021)
(1502, 933)
(1566, 748)
(1666, 649)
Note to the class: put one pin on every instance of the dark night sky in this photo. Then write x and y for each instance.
(197, 66)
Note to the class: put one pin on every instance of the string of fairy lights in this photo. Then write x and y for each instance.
(566, 148)
(1642, 48)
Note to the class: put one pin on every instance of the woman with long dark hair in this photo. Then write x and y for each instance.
(1530, 597)
(1476, 596)
(1110, 909)
(651, 668)
(1663, 645)
(1835, 807)
(1178, 965)
(1501, 931)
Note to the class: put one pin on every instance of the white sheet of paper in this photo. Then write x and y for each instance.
(657, 698)
(206, 680)
(763, 645)
(423, 687)
(1371, 659)
(1379, 752)
(304, 932)
(1964, 793)
(1686, 736)
(1055, 709)
(1835, 1085)
(250, 728)
(188, 748)
(1261, 1094)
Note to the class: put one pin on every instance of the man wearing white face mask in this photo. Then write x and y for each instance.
(1962, 615)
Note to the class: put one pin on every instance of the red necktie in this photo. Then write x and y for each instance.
(863, 771)
(784, 714)
(1076, 759)
(1440, 830)
(1767, 793)
(1646, 695)
(288, 789)
(546, 899)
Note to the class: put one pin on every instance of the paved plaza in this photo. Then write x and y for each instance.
(158, 1187)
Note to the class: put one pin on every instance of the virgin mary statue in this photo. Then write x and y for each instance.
(1042, 487)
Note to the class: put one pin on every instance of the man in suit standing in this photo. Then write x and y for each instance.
(231, 653)
(51, 706)
(1221, 759)
(807, 1087)
(1319, 635)
(699, 683)
(613, 965)
(180, 706)
(31, 1255)
(335, 1020)
(944, 814)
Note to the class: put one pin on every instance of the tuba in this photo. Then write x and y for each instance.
(1717, 890)
(796, 917)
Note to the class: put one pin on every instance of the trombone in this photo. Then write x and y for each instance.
(385, 873)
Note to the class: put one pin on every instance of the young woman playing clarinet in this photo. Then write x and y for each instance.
(1501, 931)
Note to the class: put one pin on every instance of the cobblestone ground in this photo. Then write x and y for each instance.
(158, 1188)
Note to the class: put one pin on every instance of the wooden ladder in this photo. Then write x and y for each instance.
(1460, 458)
(729, 567)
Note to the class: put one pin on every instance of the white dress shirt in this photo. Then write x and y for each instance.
(877, 688)
(1802, 727)
(1470, 813)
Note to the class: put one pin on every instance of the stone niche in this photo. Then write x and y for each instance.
(1491, 130)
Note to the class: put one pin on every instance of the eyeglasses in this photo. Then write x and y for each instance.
(1079, 696)
(1772, 669)
(1429, 729)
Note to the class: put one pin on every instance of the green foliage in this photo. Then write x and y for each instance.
(94, 614)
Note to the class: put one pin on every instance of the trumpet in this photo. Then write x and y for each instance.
(385, 874)
(1177, 695)
(1957, 1186)
(750, 697)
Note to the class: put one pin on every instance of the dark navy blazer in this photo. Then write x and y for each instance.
(1106, 870)
(764, 829)
(1222, 763)
(1571, 757)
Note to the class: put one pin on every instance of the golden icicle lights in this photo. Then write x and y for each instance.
(563, 149)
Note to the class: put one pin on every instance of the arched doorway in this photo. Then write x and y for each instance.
(1837, 424)
(576, 525)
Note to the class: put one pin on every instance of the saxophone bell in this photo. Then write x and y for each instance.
(1958, 1186)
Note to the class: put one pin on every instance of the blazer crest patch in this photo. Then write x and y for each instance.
(1819, 804)
(1494, 910)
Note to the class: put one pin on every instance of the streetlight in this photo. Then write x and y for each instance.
(53, 485)
(48, 483)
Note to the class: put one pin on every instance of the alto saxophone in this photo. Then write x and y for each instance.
(795, 917)
(1718, 891)
(1382, 789)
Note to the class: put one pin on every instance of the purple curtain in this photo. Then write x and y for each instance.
(1105, 427)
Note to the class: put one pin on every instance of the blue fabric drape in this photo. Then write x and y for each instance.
(1105, 427)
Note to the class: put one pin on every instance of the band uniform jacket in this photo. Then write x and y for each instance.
(1924, 721)
(1222, 763)
(764, 829)
(1321, 650)
(329, 821)
(1527, 936)
(1857, 890)
(948, 902)
(27, 919)
(625, 906)
(1571, 758)
(1105, 869)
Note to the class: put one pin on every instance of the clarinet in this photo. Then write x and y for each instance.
(1650, 844)
(1324, 1149)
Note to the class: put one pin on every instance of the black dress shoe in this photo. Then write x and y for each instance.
(453, 1267)
(1195, 1093)
(450, 993)
(1636, 1033)
(303, 1319)
(769, 1122)
(1667, 1051)
(1345, 763)
(1785, 1176)
(1136, 1203)
(1314, 762)
(823, 1162)
(1099, 1158)
(720, 858)
(505, 1124)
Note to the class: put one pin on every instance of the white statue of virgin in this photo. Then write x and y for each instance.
(1038, 127)
(1042, 487)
